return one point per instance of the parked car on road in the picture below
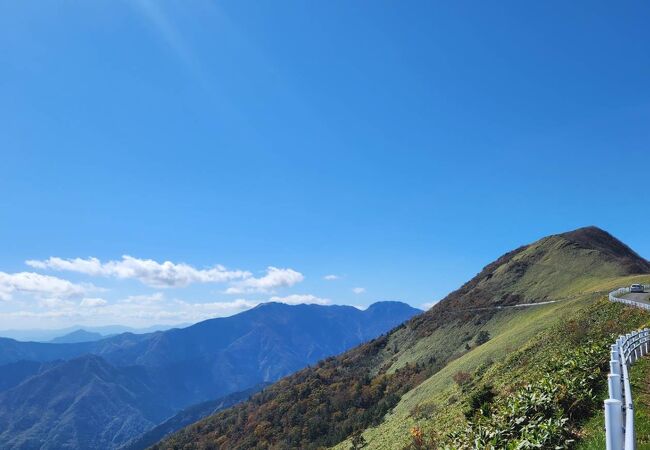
(636, 288)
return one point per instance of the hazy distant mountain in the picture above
(47, 335)
(77, 336)
(135, 381)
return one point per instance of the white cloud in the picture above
(428, 305)
(214, 307)
(331, 277)
(44, 286)
(297, 299)
(98, 311)
(90, 266)
(92, 302)
(176, 311)
(273, 279)
(54, 303)
(148, 271)
(358, 290)
(144, 299)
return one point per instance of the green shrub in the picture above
(482, 337)
(479, 401)
(539, 414)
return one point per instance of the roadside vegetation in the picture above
(593, 434)
(560, 385)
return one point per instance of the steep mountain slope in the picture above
(186, 417)
(123, 386)
(323, 405)
(13, 374)
(61, 407)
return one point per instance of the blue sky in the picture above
(400, 147)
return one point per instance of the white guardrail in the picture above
(619, 409)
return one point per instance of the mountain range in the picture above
(105, 393)
(425, 372)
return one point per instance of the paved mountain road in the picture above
(641, 297)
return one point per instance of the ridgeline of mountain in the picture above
(560, 263)
(102, 394)
(77, 336)
(342, 396)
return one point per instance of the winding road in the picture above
(641, 297)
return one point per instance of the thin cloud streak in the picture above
(154, 13)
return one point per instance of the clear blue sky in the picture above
(398, 145)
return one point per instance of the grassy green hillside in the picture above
(523, 342)
(417, 382)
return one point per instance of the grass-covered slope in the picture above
(405, 379)
(528, 350)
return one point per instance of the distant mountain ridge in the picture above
(47, 335)
(104, 393)
(77, 336)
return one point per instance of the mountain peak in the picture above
(80, 335)
(548, 268)
(595, 238)
(390, 305)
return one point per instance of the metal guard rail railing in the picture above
(619, 408)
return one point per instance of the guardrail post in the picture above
(614, 384)
(621, 353)
(630, 355)
(639, 343)
(647, 341)
(613, 424)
